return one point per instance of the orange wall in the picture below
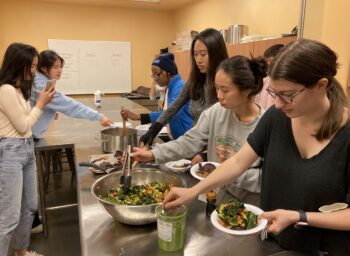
(263, 17)
(327, 21)
(34, 23)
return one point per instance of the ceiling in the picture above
(163, 5)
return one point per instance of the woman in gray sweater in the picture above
(208, 50)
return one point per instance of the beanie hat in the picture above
(168, 54)
(166, 62)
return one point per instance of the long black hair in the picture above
(16, 67)
(306, 62)
(245, 73)
(217, 52)
(47, 59)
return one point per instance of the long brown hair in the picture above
(217, 52)
(306, 62)
(16, 66)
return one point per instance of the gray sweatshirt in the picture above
(223, 133)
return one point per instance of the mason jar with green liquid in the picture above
(171, 225)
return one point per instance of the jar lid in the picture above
(211, 195)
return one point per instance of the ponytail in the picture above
(334, 117)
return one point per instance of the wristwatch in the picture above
(302, 218)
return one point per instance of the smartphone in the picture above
(49, 84)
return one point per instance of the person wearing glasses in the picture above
(208, 50)
(157, 91)
(164, 73)
(305, 142)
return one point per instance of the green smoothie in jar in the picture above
(171, 227)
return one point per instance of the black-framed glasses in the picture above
(156, 75)
(284, 97)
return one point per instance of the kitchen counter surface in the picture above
(102, 235)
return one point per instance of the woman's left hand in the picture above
(280, 219)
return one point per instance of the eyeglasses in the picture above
(156, 75)
(285, 98)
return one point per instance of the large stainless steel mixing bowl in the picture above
(133, 214)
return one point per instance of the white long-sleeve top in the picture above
(16, 115)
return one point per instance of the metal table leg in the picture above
(41, 183)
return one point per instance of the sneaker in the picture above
(32, 253)
(38, 229)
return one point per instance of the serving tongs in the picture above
(99, 167)
(125, 178)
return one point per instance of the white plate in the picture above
(145, 127)
(195, 167)
(172, 165)
(256, 210)
(98, 159)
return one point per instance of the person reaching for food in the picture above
(305, 142)
(50, 67)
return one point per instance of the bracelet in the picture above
(302, 217)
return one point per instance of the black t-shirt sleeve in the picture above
(259, 138)
(347, 198)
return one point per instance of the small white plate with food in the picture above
(105, 161)
(203, 169)
(179, 166)
(239, 221)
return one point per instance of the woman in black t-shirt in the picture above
(305, 142)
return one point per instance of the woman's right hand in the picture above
(45, 97)
(142, 155)
(178, 196)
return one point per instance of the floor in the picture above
(63, 224)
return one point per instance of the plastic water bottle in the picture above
(98, 100)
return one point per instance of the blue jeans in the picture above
(18, 192)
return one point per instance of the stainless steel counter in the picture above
(101, 235)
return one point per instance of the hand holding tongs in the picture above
(126, 180)
(145, 147)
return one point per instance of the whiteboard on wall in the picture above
(93, 65)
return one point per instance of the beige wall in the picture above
(34, 23)
(263, 17)
(328, 21)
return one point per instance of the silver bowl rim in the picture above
(133, 171)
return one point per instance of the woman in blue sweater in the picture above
(164, 73)
(50, 67)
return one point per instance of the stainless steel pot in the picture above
(113, 139)
(235, 33)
